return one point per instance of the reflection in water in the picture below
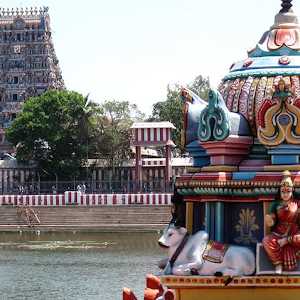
(76, 265)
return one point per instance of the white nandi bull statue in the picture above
(237, 261)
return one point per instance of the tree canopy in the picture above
(172, 108)
(112, 140)
(52, 131)
(61, 130)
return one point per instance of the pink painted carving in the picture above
(260, 95)
(243, 107)
(251, 104)
(235, 104)
(289, 37)
(248, 62)
(295, 82)
(285, 37)
(284, 60)
(231, 94)
(231, 151)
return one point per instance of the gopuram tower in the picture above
(28, 62)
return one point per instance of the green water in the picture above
(76, 265)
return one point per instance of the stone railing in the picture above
(80, 199)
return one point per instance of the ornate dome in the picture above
(276, 58)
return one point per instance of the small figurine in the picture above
(283, 243)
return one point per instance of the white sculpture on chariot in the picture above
(193, 258)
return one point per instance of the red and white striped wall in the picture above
(151, 135)
(154, 162)
(79, 199)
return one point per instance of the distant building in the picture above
(28, 62)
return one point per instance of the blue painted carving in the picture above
(194, 107)
(201, 158)
(217, 122)
(243, 175)
(285, 154)
(214, 124)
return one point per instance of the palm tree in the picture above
(86, 125)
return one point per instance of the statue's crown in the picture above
(287, 180)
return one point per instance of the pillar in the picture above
(189, 217)
(168, 171)
(138, 168)
(219, 222)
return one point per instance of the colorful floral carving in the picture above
(279, 119)
(295, 82)
(243, 107)
(232, 90)
(262, 112)
(235, 104)
(269, 88)
(251, 104)
(260, 94)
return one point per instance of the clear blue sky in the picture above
(131, 49)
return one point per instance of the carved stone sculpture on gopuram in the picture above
(28, 62)
(235, 231)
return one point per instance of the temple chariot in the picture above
(239, 206)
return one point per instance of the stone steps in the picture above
(137, 217)
(86, 228)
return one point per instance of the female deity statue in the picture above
(283, 243)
